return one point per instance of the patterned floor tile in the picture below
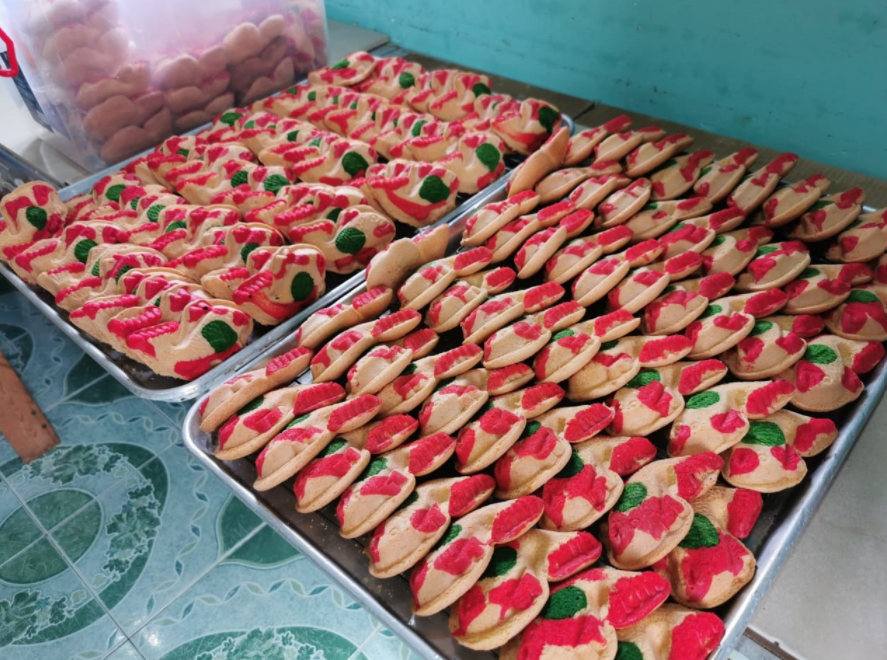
(47, 612)
(146, 540)
(41, 354)
(18, 529)
(385, 645)
(126, 652)
(79, 461)
(257, 603)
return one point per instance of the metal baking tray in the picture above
(783, 519)
(143, 382)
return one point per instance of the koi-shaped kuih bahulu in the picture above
(308, 435)
(582, 615)
(790, 203)
(591, 483)
(716, 419)
(720, 178)
(654, 514)
(388, 481)
(711, 565)
(770, 457)
(411, 532)
(827, 376)
(344, 459)
(514, 588)
(450, 570)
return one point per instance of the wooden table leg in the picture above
(21, 420)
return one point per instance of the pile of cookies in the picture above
(626, 353)
(117, 91)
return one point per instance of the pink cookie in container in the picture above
(115, 78)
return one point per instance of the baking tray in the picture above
(144, 383)
(783, 519)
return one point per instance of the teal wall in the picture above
(808, 76)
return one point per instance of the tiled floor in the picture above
(118, 545)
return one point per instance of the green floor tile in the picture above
(17, 532)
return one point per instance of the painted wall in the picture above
(808, 76)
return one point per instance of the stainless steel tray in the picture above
(784, 517)
(141, 381)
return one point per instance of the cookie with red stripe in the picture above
(583, 613)
(578, 254)
(716, 419)
(791, 202)
(770, 457)
(526, 337)
(770, 348)
(761, 183)
(562, 182)
(465, 552)
(677, 175)
(862, 316)
(827, 376)
(673, 311)
(356, 67)
(526, 127)
(514, 588)
(340, 353)
(419, 379)
(483, 441)
(432, 279)
(618, 145)
(549, 157)
(417, 194)
(619, 361)
(387, 482)
(538, 250)
(591, 483)
(305, 437)
(593, 191)
(653, 514)
(455, 304)
(236, 392)
(512, 236)
(405, 537)
(252, 426)
(822, 287)
(720, 178)
(326, 322)
(829, 216)
(864, 240)
(341, 462)
(673, 632)
(451, 405)
(774, 265)
(624, 204)
(657, 217)
(731, 252)
(652, 155)
(492, 217)
(583, 143)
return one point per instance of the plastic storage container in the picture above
(116, 77)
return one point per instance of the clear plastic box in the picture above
(116, 77)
